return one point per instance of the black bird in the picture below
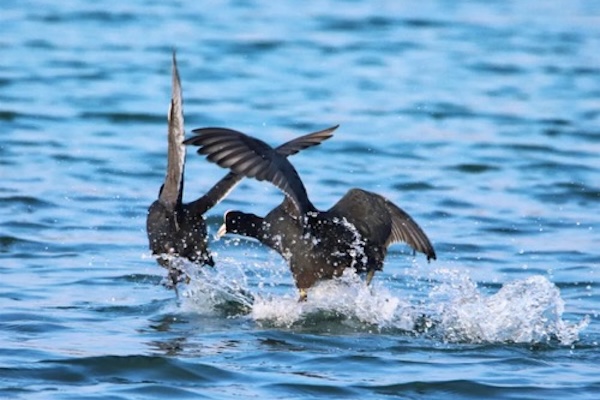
(178, 229)
(354, 233)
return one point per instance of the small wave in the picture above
(29, 203)
(122, 117)
(129, 368)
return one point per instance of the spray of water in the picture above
(214, 291)
(346, 299)
(455, 310)
(524, 311)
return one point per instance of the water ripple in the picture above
(478, 119)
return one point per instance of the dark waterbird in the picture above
(354, 233)
(177, 229)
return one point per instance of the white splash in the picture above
(455, 310)
(211, 290)
(347, 298)
(523, 311)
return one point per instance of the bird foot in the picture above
(303, 296)
(370, 275)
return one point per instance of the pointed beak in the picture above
(221, 232)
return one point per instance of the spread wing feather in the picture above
(405, 229)
(381, 221)
(253, 158)
(172, 189)
(213, 142)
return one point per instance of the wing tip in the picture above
(431, 255)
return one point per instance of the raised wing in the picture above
(172, 189)
(381, 221)
(222, 188)
(405, 229)
(253, 158)
(303, 142)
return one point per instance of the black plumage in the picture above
(354, 233)
(178, 229)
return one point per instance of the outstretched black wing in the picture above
(222, 188)
(303, 142)
(253, 158)
(382, 221)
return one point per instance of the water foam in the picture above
(455, 310)
(347, 299)
(524, 311)
(216, 291)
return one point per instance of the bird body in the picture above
(176, 229)
(354, 233)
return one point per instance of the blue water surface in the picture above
(479, 118)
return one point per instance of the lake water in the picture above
(479, 118)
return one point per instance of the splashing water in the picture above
(523, 311)
(216, 290)
(346, 298)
